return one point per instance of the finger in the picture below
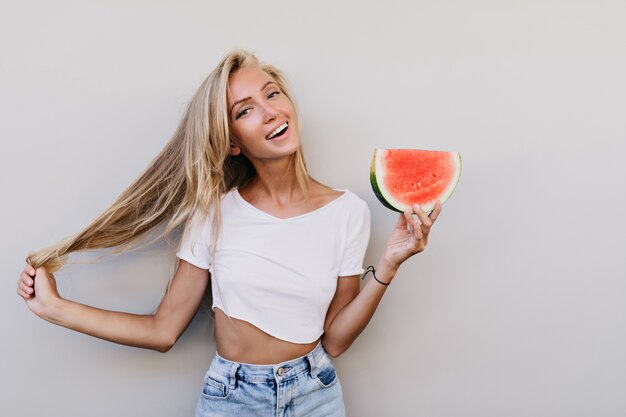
(23, 294)
(435, 213)
(421, 214)
(408, 220)
(401, 223)
(26, 279)
(41, 271)
(28, 269)
(416, 230)
(25, 288)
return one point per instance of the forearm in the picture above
(118, 327)
(354, 317)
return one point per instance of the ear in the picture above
(234, 150)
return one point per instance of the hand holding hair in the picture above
(38, 288)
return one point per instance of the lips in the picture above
(278, 131)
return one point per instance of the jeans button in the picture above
(280, 371)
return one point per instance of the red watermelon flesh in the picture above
(403, 177)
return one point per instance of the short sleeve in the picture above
(358, 236)
(194, 245)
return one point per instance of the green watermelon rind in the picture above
(389, 202)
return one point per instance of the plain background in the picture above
(516, 308)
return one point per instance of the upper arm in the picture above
(347, 289)
(181, 300)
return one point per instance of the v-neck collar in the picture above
(258, 210)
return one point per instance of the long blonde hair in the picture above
(187, 178)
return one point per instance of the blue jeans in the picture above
(306, 386)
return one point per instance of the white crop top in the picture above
(280, 274)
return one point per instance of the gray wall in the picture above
(515, 309)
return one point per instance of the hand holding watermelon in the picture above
(410, 236)
(413, 182)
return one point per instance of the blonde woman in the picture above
(281, 252)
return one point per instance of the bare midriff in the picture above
(241, 341)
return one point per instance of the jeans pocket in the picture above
(326, 376)
(214, 388)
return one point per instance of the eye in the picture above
(273, 94)
(242, 113)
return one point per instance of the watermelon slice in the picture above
(403, 177)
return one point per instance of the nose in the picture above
(270, 113)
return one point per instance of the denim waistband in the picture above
(312, 362)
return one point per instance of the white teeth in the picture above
(278, 130)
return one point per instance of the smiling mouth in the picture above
(280, 130)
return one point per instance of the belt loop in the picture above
(312, 363)
(232, 377)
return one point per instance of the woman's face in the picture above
(263, 120)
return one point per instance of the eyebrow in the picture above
(248, 98)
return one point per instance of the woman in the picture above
(282, 252)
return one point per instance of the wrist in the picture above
(386, 271)
(53, 310)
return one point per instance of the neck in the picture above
(278, 181)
